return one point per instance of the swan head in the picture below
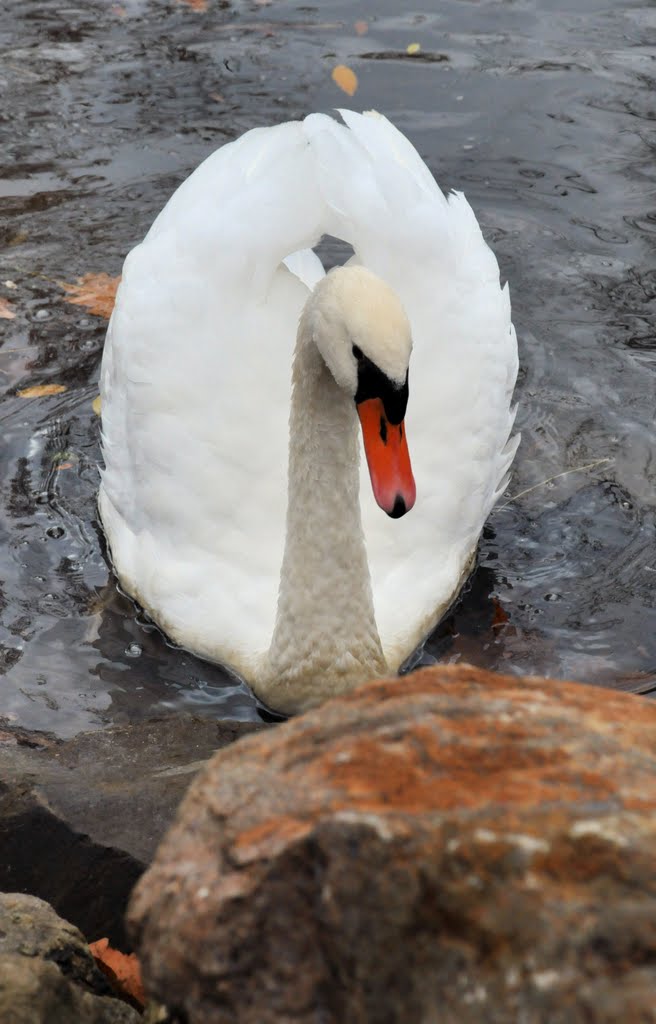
(362, 332)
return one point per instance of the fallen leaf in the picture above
(413, 48)
(96, 292)
(6, 311)
(18, 238)
(64, 465)
(196, 5)
(119, 10)
(361, 28)
(499, 616)
(122, 969)
(95, 405)
(217, 97)
(41, 390)
(345, 78)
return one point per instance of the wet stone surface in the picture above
(541, 112)
(80, 819)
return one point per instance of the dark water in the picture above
(543, 112)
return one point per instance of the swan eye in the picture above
(357, 352)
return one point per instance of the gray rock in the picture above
(47, 974)
(80, 819)
(447, 848)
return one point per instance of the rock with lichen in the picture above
(453, 846)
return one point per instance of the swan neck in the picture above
(325, 631)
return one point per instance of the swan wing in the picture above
(196, 390)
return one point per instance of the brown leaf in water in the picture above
(6, 310)
(500, 616)
(361, 28)
(345, 78)
(41, 390)
(96, 292)
(196, 5)
(18, 238)
(122, 969)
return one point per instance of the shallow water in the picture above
(542, 112)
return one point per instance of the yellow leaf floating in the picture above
(42, 390)
(96, 292)
(361, 28)
(95, 405)
(6, 312)
(413, 48)
(345, 78)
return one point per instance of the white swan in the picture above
(305, 594)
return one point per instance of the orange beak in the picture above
(388, 459)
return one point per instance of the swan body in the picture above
(235, 506)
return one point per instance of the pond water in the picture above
(541, 111)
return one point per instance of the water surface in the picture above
(542, 112)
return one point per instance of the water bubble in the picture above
(553, 596)
(55, 532)
(133, 650)
(42, 314)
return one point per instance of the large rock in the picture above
(47, 974)
(453, 846)
(81, 818)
